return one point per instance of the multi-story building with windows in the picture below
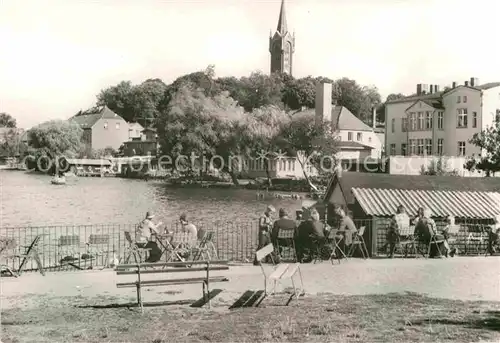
(434, 122)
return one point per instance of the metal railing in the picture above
(92, 246)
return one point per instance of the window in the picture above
(428, 146)
(474, 119)
(440, 120)
(428, 120)
(289, 164)
(404, 124)
(440, 146)
(349, 136)
(403, 149)
(393, 125)
(369, 139)
(117, 126)
(464, 99)
(413, 147)
(105, 125)
(420, 120)
(462, 117)
(359, 136)
(420, 146)
(458, 99)
(413, 121)
(461, 148)
(393, 149)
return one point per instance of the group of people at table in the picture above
(148, 235)
(309, 231)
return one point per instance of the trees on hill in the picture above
(6, 120)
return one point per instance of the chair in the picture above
(358, 241)
(280, 272)
(133, 249)
(408, 241)
(205, 247)
(68, 251)
(98, 246)
(434, 240)
(475, 238)
(286, 239)
(8, 247)
(334, 240)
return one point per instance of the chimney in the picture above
(474, 81)
(436, 88)
(419, 89)
(454, 84)
(374, 117)
(431, 89)
(323, 102)
(466, 83)
(425, 88)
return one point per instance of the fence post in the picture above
(374, 236)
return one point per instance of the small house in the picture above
(373, 199)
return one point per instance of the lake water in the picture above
(29, 199)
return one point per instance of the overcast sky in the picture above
(56, 56)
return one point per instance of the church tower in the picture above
(282, 46)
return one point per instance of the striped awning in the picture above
(383, 202)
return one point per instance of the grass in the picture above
(322, 318)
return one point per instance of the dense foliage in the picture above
(489, 142)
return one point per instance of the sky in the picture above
(56, 56)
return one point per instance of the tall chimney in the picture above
(466, 83)
(431, 89)
(323, 102)
(436, 88)
(454, 84)
(419, 89)
(474, 81)
(425, 88)
(374, 117)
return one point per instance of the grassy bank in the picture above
(322, 318)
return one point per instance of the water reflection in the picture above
(29, 199)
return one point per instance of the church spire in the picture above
(282, 27)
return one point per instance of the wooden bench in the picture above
(282, 271)
(197, 266)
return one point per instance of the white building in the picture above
(434, 122)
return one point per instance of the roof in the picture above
(353, 145)
(88, 162)
(350, 180)
(415, 97)
(282, 26)
(384, 202)
(88, 118)
(151, 129)
(342, 119)
(489, 85)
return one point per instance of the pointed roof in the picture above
(88, 118)
(282, 26)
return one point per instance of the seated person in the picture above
(283, 223)
(494, 237)
(310, 233)
(144, 237)
(399, 222)
(450, 221)
(346, 225)
(425, 229)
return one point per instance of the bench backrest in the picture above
(264, 252)
(69, 240)
(154, 268)
(99, 239)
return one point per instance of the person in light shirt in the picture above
(399, 222)
(145, 235)
(187, 226)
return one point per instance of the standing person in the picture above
(145, 233)
(494, 236)
(450, 221)
(283, 224)
(398, 222)
(265, 226)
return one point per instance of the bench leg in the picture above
(206, 293)
(139, 297)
